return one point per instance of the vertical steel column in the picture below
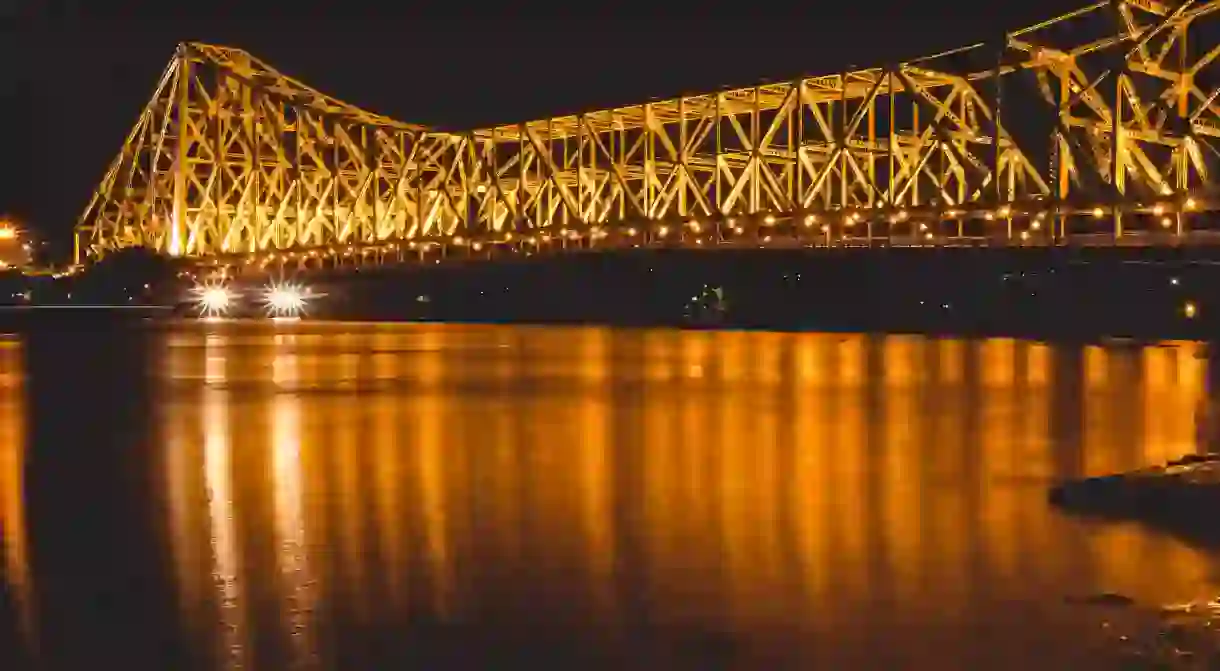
(798, 167)
(890, 158)
(719, 159)
(180, 160)
(998, 115)
(1117, 165)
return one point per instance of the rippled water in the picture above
(387, 496)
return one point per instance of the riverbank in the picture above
(1035, 294)
(1060, 295)
(1181, 497)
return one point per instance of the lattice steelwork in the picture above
(1097, 127)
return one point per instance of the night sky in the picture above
(74, 75)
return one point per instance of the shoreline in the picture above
(1181, 497)
(42, 316)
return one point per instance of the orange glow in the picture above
(7, 233)
(757, 480)
(15, 562)
(288, 493)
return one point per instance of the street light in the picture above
(213, 300)
(286, 300)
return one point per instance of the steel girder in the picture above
(1101, 121)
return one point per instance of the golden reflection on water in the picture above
(757, 483)
(286, 478)
(14, 534)
(428, 413)
(389, 473)
(222, 516)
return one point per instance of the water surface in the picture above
(319, 496)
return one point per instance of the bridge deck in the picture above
(524, 248)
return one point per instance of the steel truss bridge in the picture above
(1098, 127)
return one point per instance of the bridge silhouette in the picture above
(1094, 128)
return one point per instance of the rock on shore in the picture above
(1182, 496)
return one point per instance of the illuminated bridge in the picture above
(1098, 127)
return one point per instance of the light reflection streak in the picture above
(767, 358)
(894, 463)
(1159, 372)
(809, 489)
(502, 502)
(1095, 368)
(1031, 464)
(218, 479)
(288, 499)
(950, 361)
(343, 453)
(698, 354)
(764, 507)
(593, 446)
(1037, 370)
(847, 467)
(732, 358)
(428, 416)
(14, 538)
(899, 369)
(698, 478)
(1005, 408)
(388, 472)
(660, 418)
(183, 478)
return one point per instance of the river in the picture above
(358, 496)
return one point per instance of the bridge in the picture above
(1097, 127)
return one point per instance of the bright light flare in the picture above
(213, 300)
(286, 300)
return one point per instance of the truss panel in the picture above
(1103, 121)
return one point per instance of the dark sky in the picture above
(74, 75)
